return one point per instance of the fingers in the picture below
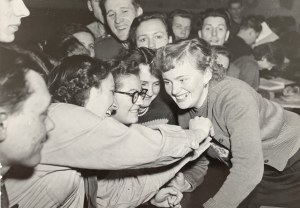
(174, 201)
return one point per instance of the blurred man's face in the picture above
(27, 128)
(119, 15)
(152, 34)
(11, 13)
(235, 10)
(94, 6)
(214, 30)
(181, 27)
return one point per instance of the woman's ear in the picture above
(3, 124)
(207, 75)
(139, 11)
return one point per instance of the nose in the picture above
(150, 91)
(20, 9)
(49, 124)
(175, 89)
(214, 32)
(139, 101)
(118, 18)
(152, 44)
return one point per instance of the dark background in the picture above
(47, 16)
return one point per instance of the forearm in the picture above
(110, 145)
(134, 187)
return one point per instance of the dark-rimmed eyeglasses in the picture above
(135, 95)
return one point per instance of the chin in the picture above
(33, 161)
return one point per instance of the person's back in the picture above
(240, 45)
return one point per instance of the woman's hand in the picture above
(167, 197)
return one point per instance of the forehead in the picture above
(235, 5)
(115, 4)
(39, 98)
(83, 35)
(145, 73)
(129, 82)
(185, 68)
(152, 25)
(214, 21)
(182, 20)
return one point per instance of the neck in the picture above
(202, 98)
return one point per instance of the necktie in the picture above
(4, 196)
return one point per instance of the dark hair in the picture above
(180, 13)
(72, 28)
(217, 49)
(135, 3)
(215, 13)
(271, 52)
(123, 69)
(195, 49)
(145, 17)
(234, 2)
(141, 55)
(253, 22)
(14, 64)
(61, 46)
(71, 81)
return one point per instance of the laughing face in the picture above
(186, 84)
(149, 82)
(119, 15)
(127, 113)
(11, 13)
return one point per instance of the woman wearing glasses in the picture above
(153, 110)
(128, 188)
(85, 138)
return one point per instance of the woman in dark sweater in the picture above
(257, 138)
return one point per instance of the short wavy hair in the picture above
(14, 65)
(71, 81)
(196, 49)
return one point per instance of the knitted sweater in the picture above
(158, 113)
(257, 132)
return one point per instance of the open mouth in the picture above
(181, 97)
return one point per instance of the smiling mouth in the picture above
(14, 27)
(181, 97)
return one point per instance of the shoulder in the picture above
(232, 88)
(107, 47)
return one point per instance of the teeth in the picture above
(180, 97)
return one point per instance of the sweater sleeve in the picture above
(87, 142)
(238, 112)
(195, 171)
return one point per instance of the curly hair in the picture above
(197, 50)
(14, 65)
(71, 81)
